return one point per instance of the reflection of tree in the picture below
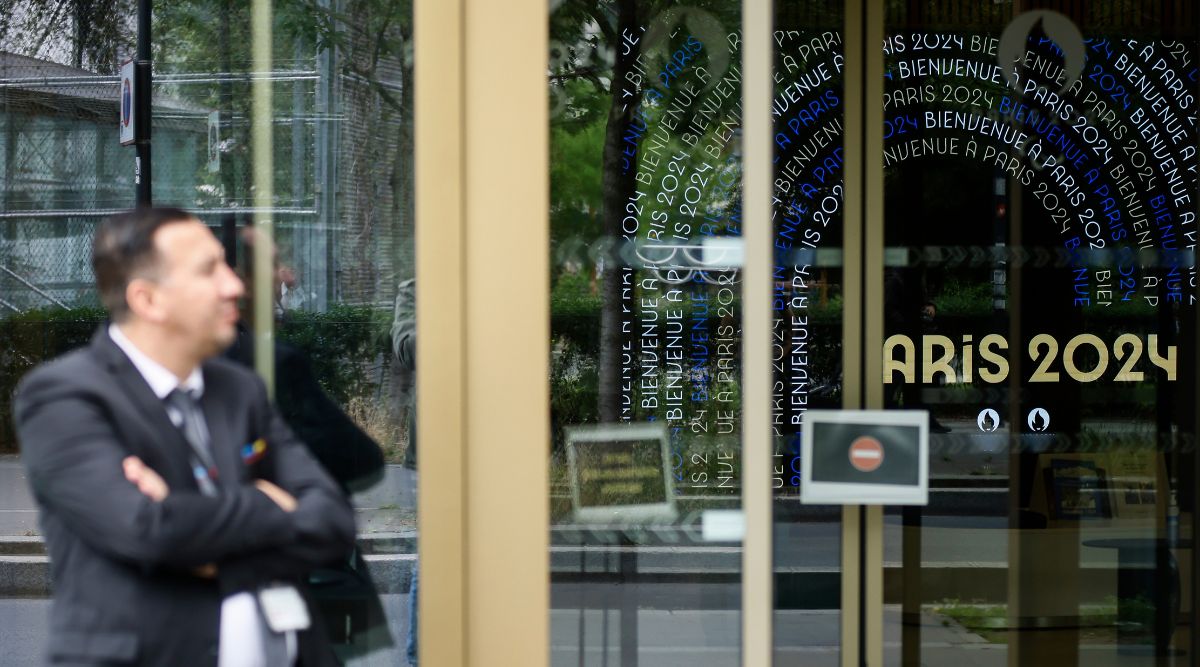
(613, 36)
(97, 31)
(363, 50)
(570, 26)
(378, 153)
(191, 36)
(618, 184)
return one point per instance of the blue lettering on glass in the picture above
(679, 61)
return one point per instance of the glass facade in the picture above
(645, 208)
(808, 115)
(646, 329)
(1015, 209)
(1039, 303)
(1037, 220)
(338, 231)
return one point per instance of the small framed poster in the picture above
(621, 473)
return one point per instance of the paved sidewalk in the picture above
(388, 506)
(24, 624)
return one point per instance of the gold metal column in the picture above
(873, 254)
(263, 152)
(862, 340)
(852, 313)
(441, 403)
(757, 443)
(482, 327)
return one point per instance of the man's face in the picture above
(197, 292)
(282, 275)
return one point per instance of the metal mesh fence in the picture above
(338, 207)
(342, 147)
(203, 160)
(60, 173)
(62, 169)
(202, 136)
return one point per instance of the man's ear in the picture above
(142, 297)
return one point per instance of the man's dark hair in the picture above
(123, 249)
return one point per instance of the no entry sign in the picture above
(865, 457)
(866, 453)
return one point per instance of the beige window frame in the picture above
(482, 294)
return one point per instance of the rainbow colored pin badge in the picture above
(253, 451)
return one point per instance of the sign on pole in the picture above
(128, 104)
(865, 457)
(214, 141)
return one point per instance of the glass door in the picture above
(646, 333)
(1038, 301)
(650, 338)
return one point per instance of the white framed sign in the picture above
(621, 473)
(865, 457)
(128, 104)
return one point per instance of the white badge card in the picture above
(284, 609)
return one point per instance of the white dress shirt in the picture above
(240, 643)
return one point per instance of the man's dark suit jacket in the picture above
(124, 591)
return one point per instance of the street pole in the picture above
(141, 169)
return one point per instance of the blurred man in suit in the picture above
(345, 592)
(180, 513)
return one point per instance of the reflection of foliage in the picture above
(990, 621)
(961, 298)
(592, 98)
(575, 181)
(339, 344)
(827, 312)
(574, 309)
(350, 128)
(30, 338)
(97, 31)
(374, 418)
(575, 150)
(1139, 613)
(973, 616)
(573, 386)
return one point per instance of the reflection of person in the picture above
(346, 594)
(929, 316)
(907, 312)
(179, 512)
(404, 346)
(348, 454)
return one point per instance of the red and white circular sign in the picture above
(866, 453)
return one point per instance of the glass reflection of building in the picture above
(1033, 293)
(342, 140)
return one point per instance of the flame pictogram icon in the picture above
(988, 420)
(1039, 420)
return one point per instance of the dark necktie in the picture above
(195, 431)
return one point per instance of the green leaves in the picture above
(87, 34)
